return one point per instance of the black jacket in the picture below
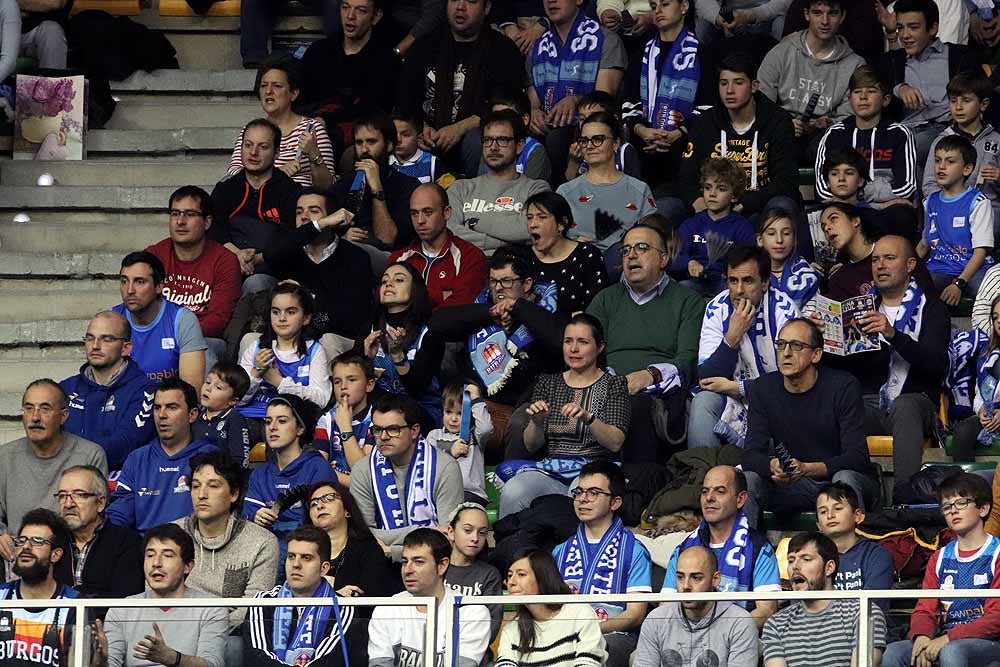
(397, 187)
(113, 568)
(777, 170)
(343, 284)
(250, 218)
(359, 87)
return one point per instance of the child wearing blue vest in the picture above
(407, 156)
(343, 432)
(959, 631)
(958, 229)
(283, 360)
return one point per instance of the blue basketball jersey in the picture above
(421, 166)
(948, 231)
(297, 370)
(155, 347)
(974, 571)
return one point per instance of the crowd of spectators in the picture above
(556, 243)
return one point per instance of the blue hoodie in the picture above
(267, 483)
(116, 416)
(694, 239)
(153, 488)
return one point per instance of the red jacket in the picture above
(455, 277)
(208, 286)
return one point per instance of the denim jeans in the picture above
(527, 485)
(800, 496)
(257, 282)
(956, 653)
(706, 411)
(942, 280)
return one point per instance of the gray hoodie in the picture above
(487, 211)
(987, 144)
(790, 75)
(726, 637)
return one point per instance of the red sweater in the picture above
(454, 277)
(927, 614)
(208, 286)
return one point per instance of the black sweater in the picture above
(825, 424)
(343, 283)
(777, 173)
(113, 568)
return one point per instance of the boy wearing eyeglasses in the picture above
(604, 557)
(486, 210)
(961, 631)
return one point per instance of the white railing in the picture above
(450, 614)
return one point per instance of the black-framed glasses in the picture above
(502, 142)
(77, 496)
(325, 499)
(595, 141)
(640, 249)
(959, 505)
(506, 283)
(593, 493)
(186, 214)
(391, 431)
(796, 345)
(103, 340)
(21, 540)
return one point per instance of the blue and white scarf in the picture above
(420, 479)
(988, 383)
(668, 95)
(607, 572)
(909, 324)
(736, 563)
(965, 350)
(798, 280)
(494, 353)
(565, 469)
(361, 429)
(309, 631)
(559, 70)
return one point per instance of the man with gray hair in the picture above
(111, 398)
(30, 467)
(107, 559)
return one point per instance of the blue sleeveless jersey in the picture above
(297, 370)
(155, 347)
(948, 231)
(421, 169)
(975, 571)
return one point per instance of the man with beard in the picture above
(30, 466)
(255, 205)
(817, 632)
(111, 398)
(487, 208)
(338, 273)
(376, 194)
(40, 636)
(172, 636)
(106, 559)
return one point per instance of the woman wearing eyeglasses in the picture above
(358, 565)
(578, 415)
(577, 269)
(605, 201)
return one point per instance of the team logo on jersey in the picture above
(585, 199)
(602, 614)
(632, 207)
(168, 343)
(109, 405)
(182, 485)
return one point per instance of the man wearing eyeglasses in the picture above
(604, 557)
(41, 636)
(487, 208)
(111, 398)
(30, 466)
(814, 416)
(202, 275)
(405, 483)
(106, 560)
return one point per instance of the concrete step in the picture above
(69, 197)
(186, 82)
(54, 237)
(43, 332)
(217, 140)
(162, 113)
(26, 285)
(16, 377)
(117, 172)
(116, 217)
(57, 265)
(11, 430)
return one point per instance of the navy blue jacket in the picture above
(118, 417)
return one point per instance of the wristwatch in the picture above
(655, 372)
(346, 435)
(960, 283)
(379, 195)
(176, 662)
(317, 160)
(590, 421)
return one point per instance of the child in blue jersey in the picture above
(407, 156)
(789, 271)
(284, 360)
(863, 564)
(218, 420)
(274, 494)
(963, 631)
(342, 434)
(958, 227)
(710, 234)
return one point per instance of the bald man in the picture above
(111, 398)
(902, 381)
(698, 633)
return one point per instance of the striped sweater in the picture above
(288, 151)
(571, 638)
